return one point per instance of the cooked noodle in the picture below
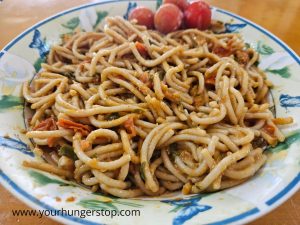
(133, 112)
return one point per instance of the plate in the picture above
(274, 183)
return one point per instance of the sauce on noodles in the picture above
(130, 112)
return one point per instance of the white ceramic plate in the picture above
(276, 182)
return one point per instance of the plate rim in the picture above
(291, 188)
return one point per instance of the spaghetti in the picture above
(132, 112)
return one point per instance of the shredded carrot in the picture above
(77, 127)
(269, 129)
(144, 77)
(51, 141)
(141, 48)
(242, 57)
(210, 80)
(101, 140)
(84, 145)
(282, 121)
(129, 126)
(120, 77)
(171, 96)
(47, 124)
(220, 51)
(198, 100)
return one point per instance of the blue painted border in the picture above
(264, 31)
(7, 47)
(39, 203)
(284, 191)
(11, 143)
(236, 218)
(288, 188)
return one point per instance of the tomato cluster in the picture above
(173, 15)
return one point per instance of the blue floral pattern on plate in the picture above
(289, 101)
(130, 6)
(230, 28)
(186, 209)
(39, 44)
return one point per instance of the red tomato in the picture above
(182, 4)
(168, 18)
(198, 15)
(143, 15)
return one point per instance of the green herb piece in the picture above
(247, 45)
(138, 111)
(173, 149)
(256, 63)
(68, 151)
(142, 171)
(161, 75)
(112, 116)
(69, 74)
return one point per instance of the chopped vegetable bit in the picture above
(112, 116)
(47, 124)
(129, 126)
(259, 142)
(142, 171)
(70, 199)
(141, 48)
(51, 141)
(198, 100)
(77, 127)
(283, 121)
(222, 52)
(68, 151)
(138, 111)
(211, 79)
(269, 129)
(144, 77)
(84, 145)
(69, 74)
(242, 57)
(173, 150)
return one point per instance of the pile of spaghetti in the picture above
(132, 112)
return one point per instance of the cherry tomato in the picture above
(182, 4)
(168, 18)
(143, 15)
(198, 15)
